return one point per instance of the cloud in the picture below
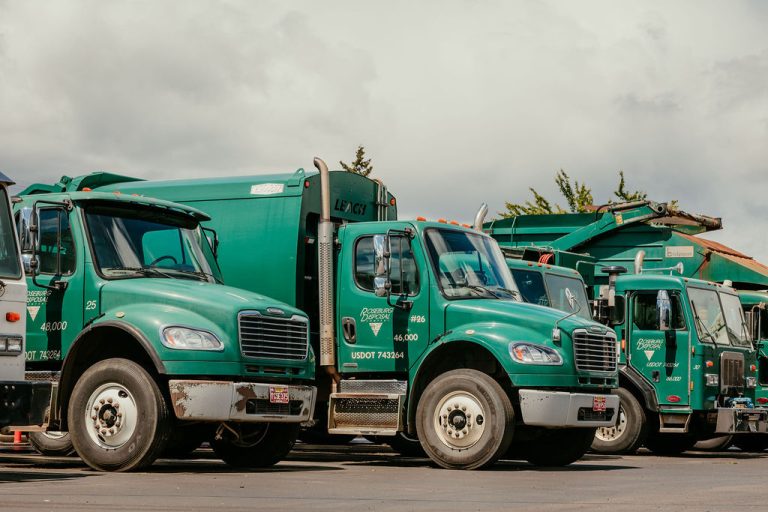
(456, 102)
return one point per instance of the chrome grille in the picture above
(594, 352)
(268, 337)
(731, 371)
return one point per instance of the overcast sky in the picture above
(457, 102)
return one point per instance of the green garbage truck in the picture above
(687, 364)
(419, 325)
(22, 403)
(147, 351)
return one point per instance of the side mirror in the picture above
(381, 282)
(664, 310)
(617, 311)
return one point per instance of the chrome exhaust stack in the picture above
(325, 272)
(480, 217)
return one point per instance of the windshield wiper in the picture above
(147, 271)
(477, 288)
(701, 323)
(199, 273)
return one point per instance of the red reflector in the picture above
(87, 189)
(306, 183)
(673, 398)
(753, 368)
(709, 364)
(762, 401)
(12, 316)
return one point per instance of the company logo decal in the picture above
(649, 354)
(33, 311)
(368, 315)
(375, 327)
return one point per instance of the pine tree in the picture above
(360, 166)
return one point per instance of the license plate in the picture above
(598, 404)
(278, 395)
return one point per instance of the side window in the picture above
(531, 286)
(645, 315)
(57, 248)
(403, 272)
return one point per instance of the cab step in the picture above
(674, 423)
(367, 408)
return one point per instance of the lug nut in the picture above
(116, 405)
(109, 399)
(119, 415)
(102, 401)
(464, 408)
(94, 417)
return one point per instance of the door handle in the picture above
(349, 328)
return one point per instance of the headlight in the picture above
(529, 353)
(712, 379)
(184, 338)
(10, 345)
(751, 382)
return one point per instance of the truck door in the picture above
(55, 296)
(661, 356)
(374, 335)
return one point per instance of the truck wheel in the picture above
(630, 430)
(669, 444)
(559, 447)
(751, 442)
(405, 444)
(51, 444)
(258, 446)
(118, 419)
(716, 444)
(464, 420)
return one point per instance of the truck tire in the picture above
(559, 447)
(51, 444)
(630, 430)
(755, 443)
(716, 444)
(260, 445)
(464, 420)
(120, 398)
(669, 444)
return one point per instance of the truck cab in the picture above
(146, 348)
(687, 365)
(22, 403)
(419, 325)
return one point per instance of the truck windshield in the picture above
(469, 265)
(144, 242)
(550, 290)
(10, 267)
(715, 322)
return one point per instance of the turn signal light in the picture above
(673, 399)
(12, 316)
(709, 364)
(753, 368)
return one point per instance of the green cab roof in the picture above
(750, 297)
(125, 199)
(514, 264)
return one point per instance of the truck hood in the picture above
(520, 314)
(207, 299)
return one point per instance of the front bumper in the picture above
(248, 402)
(563, 409)
(24, 404)
(738, 420)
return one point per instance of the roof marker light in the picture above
(87, 189)
(421, 219)
(453, 223)
(442, 221)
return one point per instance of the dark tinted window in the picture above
(56, 244)
(403, 273)
(9, 257)
(531, 286)
(645, 314)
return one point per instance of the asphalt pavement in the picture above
(368, 477)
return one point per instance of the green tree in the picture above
(360, 165)
(577, 196)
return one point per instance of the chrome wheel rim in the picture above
(111, 414)
(612, 434)
(459, 420)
